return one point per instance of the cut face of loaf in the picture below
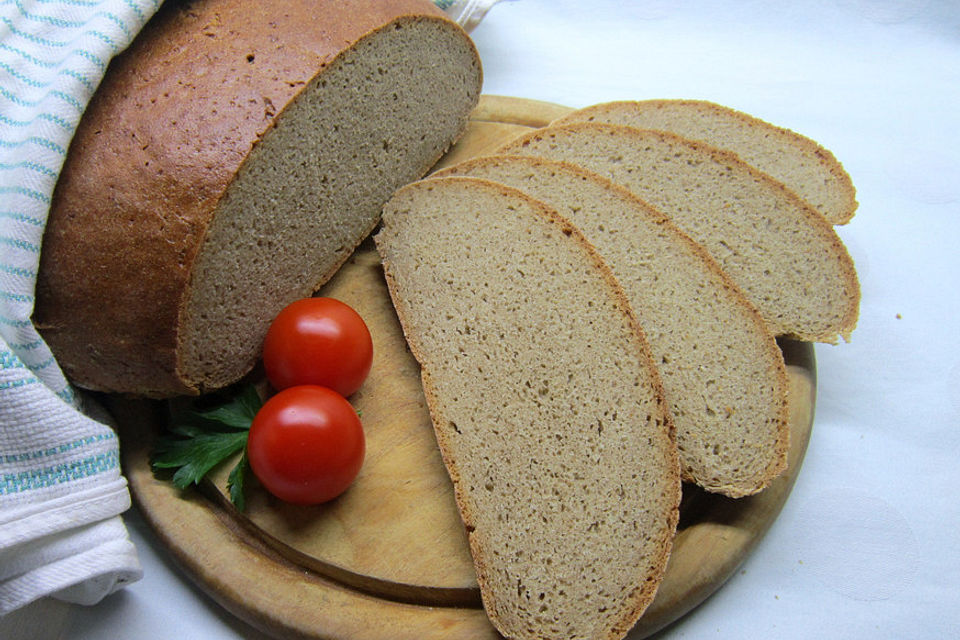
(804, 166)
(233, 158)
(722, 372)
(546, 406)
(781, 253)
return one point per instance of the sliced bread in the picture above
(548, 411)
(233, 157)
(782, 254)
(800, 163)
(722, 372)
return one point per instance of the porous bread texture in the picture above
(722, 372)
(250, 253)
(803, 165)
(231, 160)
(547, 409)
(782, 254)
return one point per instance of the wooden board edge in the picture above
(251, 577)
(518, 111)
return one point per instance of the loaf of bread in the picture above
(800, 163)
(782, 254)
(233, 158)
(722, 372)
(546, 405)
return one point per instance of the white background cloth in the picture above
(866, 546)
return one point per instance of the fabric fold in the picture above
(81, 565)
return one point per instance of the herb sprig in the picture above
(199, 439)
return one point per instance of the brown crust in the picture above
(831, 242)
(825, 158)
(778, 461)
(155, 151)
(647, 588)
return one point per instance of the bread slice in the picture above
(546, 405)
(722, 372)
(233, 157)
(781, 253)
(800, 163)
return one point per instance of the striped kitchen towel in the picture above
(61, 490)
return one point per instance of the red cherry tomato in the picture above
(306, 444)
(318, 341)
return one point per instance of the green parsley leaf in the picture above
(235, 482)
(195, 457)
(198, 439)
(238, 413)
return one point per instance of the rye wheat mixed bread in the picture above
(232, 159)
(782, 254)
(545, 402)
(722, 372)
(800, 163)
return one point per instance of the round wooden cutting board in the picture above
(389, 558)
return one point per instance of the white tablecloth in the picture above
(866, 546)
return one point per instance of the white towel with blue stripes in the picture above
(61, 490)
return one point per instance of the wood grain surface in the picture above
(389, 558)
